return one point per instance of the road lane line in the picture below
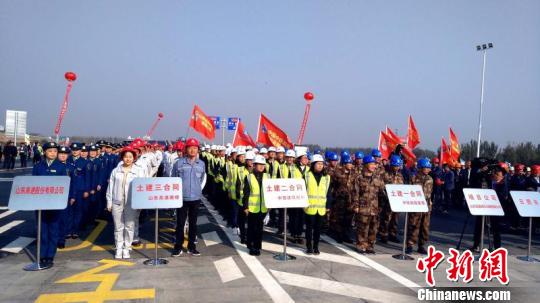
(7, 213)
(211, 238)
(16, 246)
(10, 225)
(228, 270)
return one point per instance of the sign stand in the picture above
(476, 258)
(284, 256)
(403, 255)
(528, 257)
(156, 261)
(37, 265)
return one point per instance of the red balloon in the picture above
(308, 96)
(160, 115)
(70, 76)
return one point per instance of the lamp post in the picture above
(483, 48)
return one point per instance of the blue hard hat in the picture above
(376, 153)
(317, 151)
(424, 163)
(327, 154)
(368, 159)
(358, 155)
(332, 156)
(346, 159)
(345, 153)
(309, 155)
(396, 160)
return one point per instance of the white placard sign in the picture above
(39, 192)
(483, 202)
(285, 193)
(527, 203)
(406, 198)
(152, 193)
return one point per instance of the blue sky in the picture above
(369, 64)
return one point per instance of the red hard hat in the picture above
(519, 166)
(179, 145)
(504, 166)
(192, 142)
(435, 160)
(536, 169)
(128, 149)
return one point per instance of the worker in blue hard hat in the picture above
(388, 227)
(340, 226)
(358, 156)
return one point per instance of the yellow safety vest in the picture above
(228, 177)
(316, 194)
(240, 172)
(211, 163)
(256, 200)
(297, 173)
(283, 170)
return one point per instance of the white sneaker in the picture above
(118, 254)
(237, 230)
(125, 254)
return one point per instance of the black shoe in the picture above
(61, 245)
(422, 250)
(252, 252)
(394, 239)
(74, 236)
(316, 251)
(68, 236)
(408, 250)
(361, 250)
(194, 252)
(383, 240)
(370, 251)
(136, 243)
(309, 251)
(257, 252)
(177, 252)
(347, 240)
(299, 241)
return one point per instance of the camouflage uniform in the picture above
(389, 219)
(367, 191)
(340, 216)
(418, 223)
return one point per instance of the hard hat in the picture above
(259, 160)
(228, 151)
(271, 149)
(376, 153)
(255, 150)
(536, 169)
(327, 154)
(263, 151)
(423, 163)
(519, 166)
(344, 153)
(250, 155)
(300, 153)
(435, 160)
(280, 149)
(358, 155)
(290, 153)
(528, 169)
(179, 145)
(317, 158)
(192, 142)
(368, 159)
(241, 152)
(234, 150)
(249, 147)
(345, 160)
(207, 146)
(213, 147)
(317, 151)
(229, 145)
(396, 160)
(332, 157)
(503, 165)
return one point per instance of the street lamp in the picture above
(483, 48)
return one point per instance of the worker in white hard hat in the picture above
(296, 215)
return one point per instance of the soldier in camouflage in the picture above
(340, 216)
(388, 228)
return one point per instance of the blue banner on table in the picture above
(231, 123)
(39, 192)
(217, 121)
(152, 193)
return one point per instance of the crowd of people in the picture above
(25, 152)
(346, 192)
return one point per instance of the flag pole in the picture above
(235, 131)
(258, 128)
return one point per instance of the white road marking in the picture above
(7, 213)
(228, 270)
(3, 207)
(6, 179)
(339, 288)
(10, 225)
(270, 285)
(211, 238)
(323, 256)
(16, 246)
(378, 267)
(202, 220)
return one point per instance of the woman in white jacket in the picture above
(119, 201)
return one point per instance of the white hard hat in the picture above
(234, 150)
(263, 151)
(207, 146)
(214, 147)
(221, 147)
(241, 152)
(317, 158)
(255, 150)
(203, 148)
(250, 155)
(271, 149)
(290, 153)
(259, 160)
(280, 149)
(300, 153)
(249, 147)
(229, 144)
(228, 151)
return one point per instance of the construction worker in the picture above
(238, 177)
(296, 216)
(254, 205)
(358, 156)
(340, 217)
(280, 169)
(332, 163)
(319, 198)
(418, 225)
(377, 155)
(388, 227)
(367, 191)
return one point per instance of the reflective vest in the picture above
(240, 172)
(211, 164)
(316, 194)
(297, 173)
(229, 166)
(283, 170)
(256, 200)
(219, 163)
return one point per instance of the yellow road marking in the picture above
(90, 239)
(104, 290)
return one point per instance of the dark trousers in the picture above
(296, 221)
(23, 160)
(495, 226)
(234, 213)
(50, 232)
(9, 162)
(242, 223)
(189, 212)
(447, 198)
(71, 216)
(255, 230)
(279, 219)
(313, 230)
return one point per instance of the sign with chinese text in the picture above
(527, 203)
(217, 121)
(231, 123)
(39, 192)
(483, 202)
(152, 193)
(285, 193)
(406, 198)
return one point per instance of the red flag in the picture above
(387, 144)
(241, 136)
(392, 135)
(410, 157)
(455, 150)
(413, 138)
(271, 135)
(202, 123)
(445, 153)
